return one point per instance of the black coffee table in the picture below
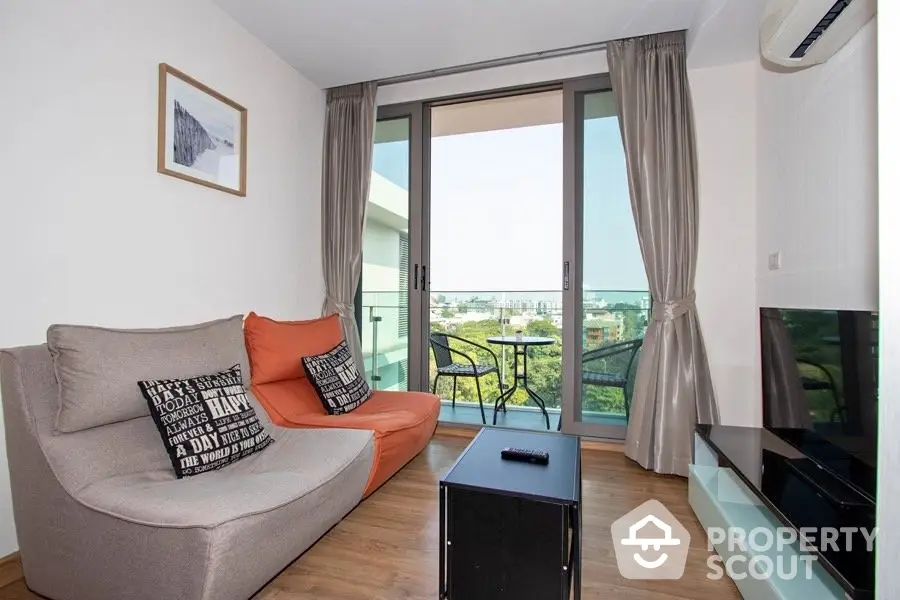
(511, 530)
(520, 349)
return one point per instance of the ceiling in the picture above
(334, 42)
(724, 32)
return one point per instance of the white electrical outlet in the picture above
(774, 261)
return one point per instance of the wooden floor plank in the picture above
(10, 569)
(386, 549)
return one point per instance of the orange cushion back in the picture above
(275, 347)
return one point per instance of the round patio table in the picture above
(520, 349)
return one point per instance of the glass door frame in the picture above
(573, 258)
(425, 107)
(417, 358)
(419, 115)
(419, 167)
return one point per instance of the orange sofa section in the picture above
(275, 347)
(403, 422)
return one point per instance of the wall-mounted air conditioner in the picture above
(799, 33)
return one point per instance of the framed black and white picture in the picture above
(202, 134)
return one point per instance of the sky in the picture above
(497, 209)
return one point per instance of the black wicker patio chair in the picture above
(468, 367)
(612, 366)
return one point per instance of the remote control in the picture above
(537, 457)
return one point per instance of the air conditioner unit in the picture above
(800, 33)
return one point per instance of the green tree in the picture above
(634, 319)
(544, 363)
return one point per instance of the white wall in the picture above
(381, 259)
(725, 117)
(725, 111)
(89, 232)
(888, 576)
(818, 181)
(380, 298)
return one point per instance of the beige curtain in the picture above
(346, 172)
(672, 390)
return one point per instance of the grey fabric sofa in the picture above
(100, 515)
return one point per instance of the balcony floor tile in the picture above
(518, 419)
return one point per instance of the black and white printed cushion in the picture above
(205, 422)
(338, 383)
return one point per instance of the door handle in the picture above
(416, 277)
(566, 275)
(424, 278)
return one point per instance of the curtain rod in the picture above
(497, 62)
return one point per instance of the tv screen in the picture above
(819, 370)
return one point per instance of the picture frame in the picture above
(202, 134)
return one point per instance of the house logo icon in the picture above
(650, 543)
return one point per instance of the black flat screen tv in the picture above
(820, 387)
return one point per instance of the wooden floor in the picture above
(386, 549)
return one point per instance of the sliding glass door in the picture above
(606, 304)
(387, 307)
(499, 231)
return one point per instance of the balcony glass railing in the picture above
(608, 317)
(384, 333)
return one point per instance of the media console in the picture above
(751, 478)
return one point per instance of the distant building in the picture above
(479, 305)
(605, 329)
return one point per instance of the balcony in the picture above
(609, 317)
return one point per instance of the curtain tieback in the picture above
(347, 311)
(669, 311)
